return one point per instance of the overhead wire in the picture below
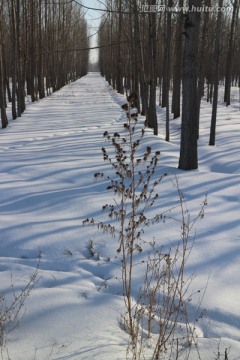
(106, 12)
(82, 49)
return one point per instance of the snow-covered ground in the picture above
(47, 188)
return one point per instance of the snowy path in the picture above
(48, 158)
(45, 160)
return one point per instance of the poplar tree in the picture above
(189, 130)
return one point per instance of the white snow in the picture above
(47, 188)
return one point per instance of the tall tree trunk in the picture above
(32, 52)
(202, 57)
(165, 64)
(41, 90)
(216, 76)
(177, 71)
(19, 73)
(14, 64)
(6, 77)
(119, 80)
(152, 115)
(139, 60)
(2, 97)
(133, 64)
(189, 131)
(168, 44)
(229, 64)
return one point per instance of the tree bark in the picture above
(189, 131)
(177, 71)
(216, 77)
(229, 64)
(139, 60)
(40, 59)
(2, 98)
(202, 57)
(14, 62)
(152, 115)
(119, 76)
(168, 47)
(32, 52)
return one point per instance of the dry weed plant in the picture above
(221, 356)
(161, 303)
(11, 304)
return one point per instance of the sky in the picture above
(93, 17)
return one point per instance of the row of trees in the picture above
(185, 52)
(39, 42)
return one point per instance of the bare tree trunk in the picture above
(189, 132)
(202, 57)
(139, 60)
(168, 44)
(229, 64)
(165, 64)
(40, 62)
(2, 97)
(6, 77)
(119, 77)
(152, 115)
(216, 76)
(32, 52)
(19, 73)
(177, 71)
(14, 55)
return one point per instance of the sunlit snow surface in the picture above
(47, 188)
